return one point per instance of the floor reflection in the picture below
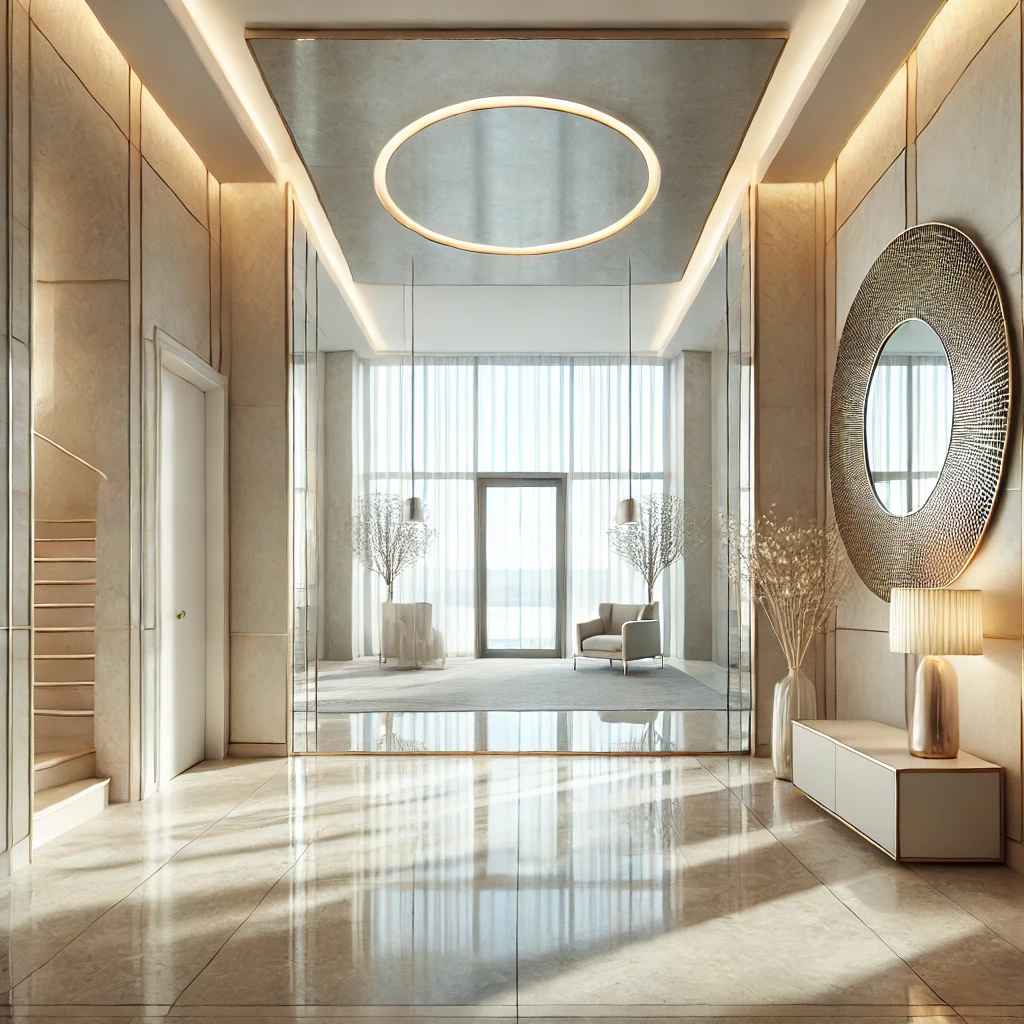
(497, 732)
(496, 886)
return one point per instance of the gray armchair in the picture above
(623, 632)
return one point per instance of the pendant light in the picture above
(414, 505)
(627, 513)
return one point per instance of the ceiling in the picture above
(837, 57)
(524, 176)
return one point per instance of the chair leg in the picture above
(625, 667)
(574, 663)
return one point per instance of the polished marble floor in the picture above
(498, 887)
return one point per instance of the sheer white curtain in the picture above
(909, 411)
(499, 415)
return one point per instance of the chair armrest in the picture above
(587, 629)
(641, 638)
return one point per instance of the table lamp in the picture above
(933, 623)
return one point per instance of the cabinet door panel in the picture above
(814, 766)
(866, 797)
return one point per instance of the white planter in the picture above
(795, 699)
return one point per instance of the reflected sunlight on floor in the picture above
(537, 887)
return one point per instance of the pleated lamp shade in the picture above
(935, 621)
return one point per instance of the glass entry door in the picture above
(521, 566)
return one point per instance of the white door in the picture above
(182, 574)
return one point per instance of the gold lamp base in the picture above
(935, 721)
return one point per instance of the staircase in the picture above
(66, 787)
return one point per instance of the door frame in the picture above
(167, 353)
(558, 481)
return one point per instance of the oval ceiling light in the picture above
(380, 172)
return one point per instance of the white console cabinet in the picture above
(913, 808)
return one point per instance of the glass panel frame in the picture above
(505, 480)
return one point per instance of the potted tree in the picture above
(386, 544)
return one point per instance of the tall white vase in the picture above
(795, 698)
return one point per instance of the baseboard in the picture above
(763, 750)
(257, 750)
(1015, 855)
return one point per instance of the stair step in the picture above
(64, 713)
(73, 592)
(51, 700)
(59, 765)
(65, 668)
(65, 547)
(65, 569)
(65, 682)
(61, 529)
(64, 558)
(63, 807)
(65, 604)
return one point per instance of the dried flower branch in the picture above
(798, 570)
(667, 528)
(382, 540)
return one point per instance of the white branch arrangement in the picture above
(798, 570)
(382, 540)
(667, 528)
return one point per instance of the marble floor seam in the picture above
(142, 881)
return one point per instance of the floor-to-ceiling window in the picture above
(508, 415)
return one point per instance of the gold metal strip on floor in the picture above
(507, 1011)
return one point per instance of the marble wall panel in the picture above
(952, 41)
(870, 679)
(21, 486)
(788, 356)
(74, 32)
(79, 178)
(876, 222)
(167, 152)
(874, 145)
(213, 190)
(253, 247)
(21, 734)
(990, 692)
(175, 268)
(111, 720)
(19, 113)
(980, 190)
(258, 697)
(259, 520)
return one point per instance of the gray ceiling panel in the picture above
(517, 177)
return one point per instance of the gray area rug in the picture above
(511, 684)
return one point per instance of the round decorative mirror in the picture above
(920, 411)
(909, 417)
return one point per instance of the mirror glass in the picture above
(909, 417)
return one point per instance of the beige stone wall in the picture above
(789, 470)
(255, 263)
(125, 240)
(943, 143)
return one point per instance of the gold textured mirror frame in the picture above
(934, 273)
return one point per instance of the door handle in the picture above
(181, 614)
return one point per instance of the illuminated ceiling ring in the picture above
(380, 172)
